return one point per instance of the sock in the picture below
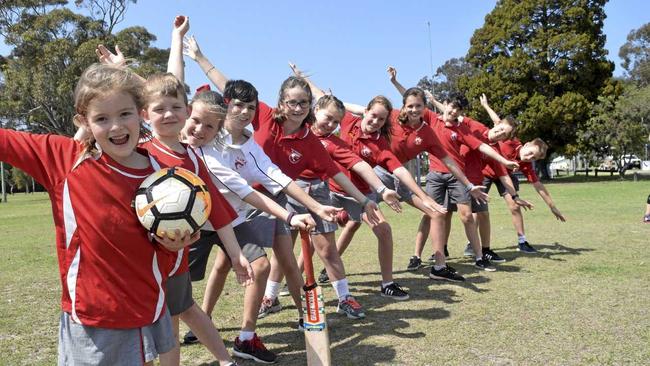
(341, 288)
(478, 258)
(521, 238)
(245, 335)
(437, 267)
(386, 284)
(272, 289)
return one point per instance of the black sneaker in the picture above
(526, 248)
(190, 338)
(254, 350)
(490, 255)
(414, 263)
(394, 291)
(446, 252)
(445, 274)
(323, 277)
(451, 269)
(301, 324)
(485, 265)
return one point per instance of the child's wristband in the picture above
(289, 217)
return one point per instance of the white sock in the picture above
(521, 238)
(386, 284)
(437, 267)
(341, 288)
(478, 258)
(272, 289)
(245, 335)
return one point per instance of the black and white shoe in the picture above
(490, 255)
(414, 263)
(394, 291)
(445, 274)
(485, 265)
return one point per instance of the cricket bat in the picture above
(317, 338)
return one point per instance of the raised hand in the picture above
(484, 101)
(107, 57)
(392, 73)
(181, 24)
(191, 48)
(296, 71)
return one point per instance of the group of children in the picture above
(124, 289)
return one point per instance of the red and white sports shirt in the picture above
(112, 275)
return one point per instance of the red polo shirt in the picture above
(407, 142)
(298, 155)
(451, 137)
(476, 160)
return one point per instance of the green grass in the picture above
(583, 300)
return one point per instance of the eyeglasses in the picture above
(294, 103)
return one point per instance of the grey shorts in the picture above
(247, 236)
(318, 190)
(444, 186)
(84, 345)
(487, 182)
(179, 293)
(391, 181)
(476, 206)
(350, 205)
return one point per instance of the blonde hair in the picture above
(163, 84)
(97, 81)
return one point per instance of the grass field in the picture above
(584, 300)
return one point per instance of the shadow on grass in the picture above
(347, 336)
(553, 252)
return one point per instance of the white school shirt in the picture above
(236, 167)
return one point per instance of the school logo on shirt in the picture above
(418, 140)
(454, 136)
(365, 151)
(240, 163)
(295, 156)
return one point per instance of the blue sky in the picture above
(344, 45)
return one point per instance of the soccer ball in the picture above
(170, 199)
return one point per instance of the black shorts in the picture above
(487, 182)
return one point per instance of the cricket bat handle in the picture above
(306, 258)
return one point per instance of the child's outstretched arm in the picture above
(493, 115)
(260, 201)
(541, 190)
(368, 206)
(365, 171)
(318, 92)
(327, 213)
(192, 50)
(175, 63)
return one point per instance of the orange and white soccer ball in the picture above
(170, 199)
